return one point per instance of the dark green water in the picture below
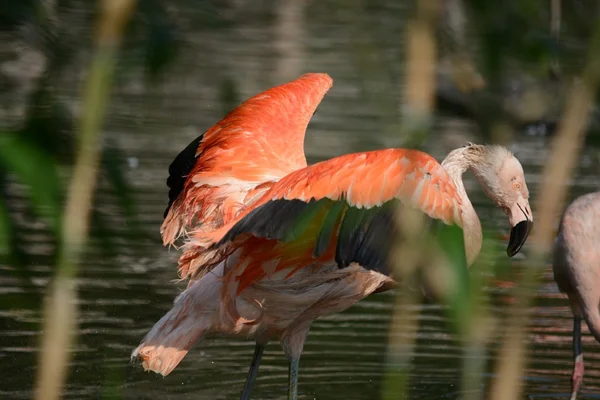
(343, 358)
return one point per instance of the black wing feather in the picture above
(349, 229)
(379, 237)
(364, 235)
(272, 220)
(180, 168)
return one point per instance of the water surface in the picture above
(120, 299)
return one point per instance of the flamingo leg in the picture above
(578, 367)
(293, 379)
(253, 371)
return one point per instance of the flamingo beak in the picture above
(521, 220)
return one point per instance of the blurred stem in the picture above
(289, 39)
(477, 333)
(473, 365)
(406, 256)
(60, 308)
(418, 103)
(564, 151)
(401, 342)
(555, 18)
(464, 74)
(421, 60)
(48, 11)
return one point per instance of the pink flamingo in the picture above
(281, 243)
(576, 265)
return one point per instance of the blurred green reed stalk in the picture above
(418, 102)
(60, 310)
(558, 170)
(441, 259)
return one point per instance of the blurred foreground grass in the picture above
(60, 312)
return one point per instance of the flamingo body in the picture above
(274, 244)
(576, 267)
(357, 186)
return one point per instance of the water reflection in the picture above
(343, 357)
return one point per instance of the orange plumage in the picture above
(290, 241)
(364, 181)
(236, 160)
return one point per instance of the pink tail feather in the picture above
(194, 314)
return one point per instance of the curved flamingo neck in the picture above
(455, 164)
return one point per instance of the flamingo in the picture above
(282, 248)
(576, 267)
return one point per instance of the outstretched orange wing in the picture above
(237, 160)
(340, 210)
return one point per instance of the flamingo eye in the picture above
(516, 185)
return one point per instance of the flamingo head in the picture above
(503, 180)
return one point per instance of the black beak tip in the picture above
(518, 236)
